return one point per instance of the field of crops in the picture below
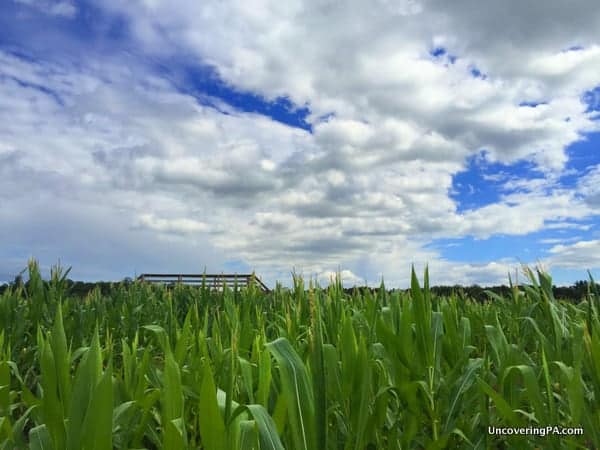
(300, 369)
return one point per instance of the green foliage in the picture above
(142, 366)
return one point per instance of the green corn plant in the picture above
(144, 366)
(298, 392)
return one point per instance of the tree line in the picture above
(575, 292)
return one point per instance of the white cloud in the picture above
(177, 225)
(580, 255)
(369, 188)
(51, 7)
(371, 67)
(520, 214)
(554, 241)
(347, 277)
(589, 187)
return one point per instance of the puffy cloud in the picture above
(392, 123)
(580, 255)
(523, 213)
(347, 277)
(371, 66)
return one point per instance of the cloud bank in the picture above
(110, 163)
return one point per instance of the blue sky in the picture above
(150, 136)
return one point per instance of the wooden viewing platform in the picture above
(216, 281)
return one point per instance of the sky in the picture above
(314, 136)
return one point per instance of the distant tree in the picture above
(581, 289)
(18, 281)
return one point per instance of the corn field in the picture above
(300, 369)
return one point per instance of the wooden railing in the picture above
(216, 281)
